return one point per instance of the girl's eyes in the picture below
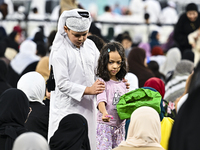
(119, 62)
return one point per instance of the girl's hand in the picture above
(106, 117)
(126, 82)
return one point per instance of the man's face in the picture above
(192, 15)
(77, 38)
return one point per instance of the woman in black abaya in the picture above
(14, 110)
(72, 134)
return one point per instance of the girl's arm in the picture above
(102, 109)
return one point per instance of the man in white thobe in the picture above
(74, 60)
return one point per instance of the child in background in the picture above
(111, 70)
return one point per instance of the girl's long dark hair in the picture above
(102, 70)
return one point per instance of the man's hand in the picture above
(96, 88)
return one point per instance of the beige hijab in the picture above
(144, 129)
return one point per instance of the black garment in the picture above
(189, 55)
(4, 86)
(38, 119)
(30, 68)
(182, 29)
(185, 131)
(12, 77)
(72, 134)
(46, 102)
(10, 41)
(3, 82)
(14, 109)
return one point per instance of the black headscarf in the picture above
(14, 109)
(191, 7)
(185, 131)
(72, 134)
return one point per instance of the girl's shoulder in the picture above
(100, 79)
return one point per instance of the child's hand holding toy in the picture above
(106, 117)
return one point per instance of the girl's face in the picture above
(114, 64)
(77, 38)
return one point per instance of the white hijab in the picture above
(33, 85)
(30, 141)
(26, 56)
(144, 129)
(133, 80)
(173, 57)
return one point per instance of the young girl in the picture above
(111, 70)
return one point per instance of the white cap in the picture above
(79, 20)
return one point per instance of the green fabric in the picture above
(137, 98)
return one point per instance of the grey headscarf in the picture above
(184, 67)
(176, 86)
(30, 141)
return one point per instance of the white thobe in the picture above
(74, 70)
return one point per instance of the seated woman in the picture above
(14, 111)
(33, 85)
(166, 118)
(72, 133)
(144, 131)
